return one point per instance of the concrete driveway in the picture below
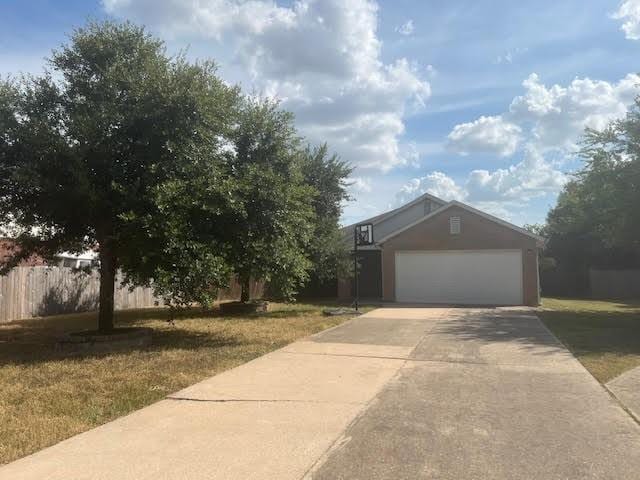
(399, 393)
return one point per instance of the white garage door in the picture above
(480, 277)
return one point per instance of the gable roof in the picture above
(455, 203)
(383, 216)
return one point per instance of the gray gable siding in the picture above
(407, 216)
(396, 219)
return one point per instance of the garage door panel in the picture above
(483, 277)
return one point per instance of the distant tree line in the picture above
(176, 178)
(596, 222)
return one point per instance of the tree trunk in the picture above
(107, 286)
(245, 283)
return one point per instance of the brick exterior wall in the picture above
(7, 250)
(477, 233)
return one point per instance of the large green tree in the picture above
(596, 221)
(268, 240)
(121, 148)
(328, 176)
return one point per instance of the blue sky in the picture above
(481, 101)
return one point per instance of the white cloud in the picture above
(435, 183)
(407, 28)
(360, 185)
(210, 18)
(531, 177)
(557, 115)
(321, 58)
(486, 134)
(629, 12)
(496, 192)
(539, 100)
(548, 117)
(544, 122)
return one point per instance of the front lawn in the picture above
(603, 335)
(47, 396)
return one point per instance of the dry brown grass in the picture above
(47, 396)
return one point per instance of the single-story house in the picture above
(433, 251)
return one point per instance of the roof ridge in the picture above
(378, 218)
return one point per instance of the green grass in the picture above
(603, 335)
(47, 396)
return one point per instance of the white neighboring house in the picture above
(74, 260)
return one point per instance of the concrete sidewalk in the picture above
(626, 388)
(399, 393)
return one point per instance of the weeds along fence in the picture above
(28, 292)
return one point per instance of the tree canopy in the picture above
(174, 177)
(267, 240)
(327, 174)
(596, 221)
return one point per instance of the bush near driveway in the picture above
(603, 335)
(47, 396)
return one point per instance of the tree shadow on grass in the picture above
(89, 320)
(599, 332)
(181, 339)
(35, 352)
(130, 316)
(294, 312)
(34, 341)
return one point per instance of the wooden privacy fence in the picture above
(28, 292)
(614, 283)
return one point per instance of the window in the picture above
(69, 262)
(454, 225)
